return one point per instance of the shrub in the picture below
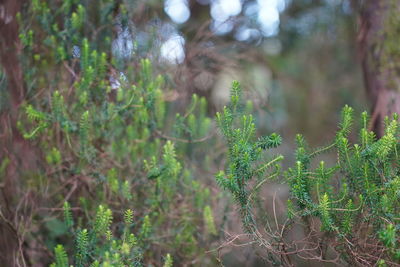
(355, 201)
(113, 146)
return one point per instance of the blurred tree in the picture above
(16, 154)
(379, 32)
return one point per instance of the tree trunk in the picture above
(380, 57)
(13, 147)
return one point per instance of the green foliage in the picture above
(3, 166)
(209, 220)
(243, 154)
(68, 219)
(112, 142)
(98, 246)
(128, 217)
(324, 207)
(61, 257)
(146, 227)
(84, 131)
(168, 261)
(388, 236)
(361, 190)
(103, 220)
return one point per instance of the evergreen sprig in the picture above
(60, 257)
(243, 154)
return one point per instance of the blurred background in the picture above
(297, 60)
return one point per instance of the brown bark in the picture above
(12, 145)
(8, 51)
(380, 78)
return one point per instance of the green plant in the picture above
(359, 191)
(243, 154)
(100, 122)
(99, 245)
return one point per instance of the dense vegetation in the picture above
(113, 188)
(349, 210)
(124, 166)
